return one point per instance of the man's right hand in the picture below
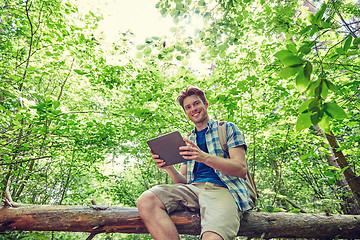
(175, 175)
(159, 162)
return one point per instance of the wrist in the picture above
(207, 158)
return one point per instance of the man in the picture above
(212, 180)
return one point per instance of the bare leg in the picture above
(157, 221)
(211, 236)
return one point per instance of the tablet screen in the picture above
(167, 147)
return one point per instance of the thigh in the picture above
(219, 211)
(177, 197)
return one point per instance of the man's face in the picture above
(195, 109)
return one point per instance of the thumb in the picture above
(190, 142)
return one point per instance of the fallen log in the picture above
(103, 219)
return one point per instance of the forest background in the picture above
(75, 114)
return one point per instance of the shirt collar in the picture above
(210, 125)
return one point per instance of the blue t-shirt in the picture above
(202, 172)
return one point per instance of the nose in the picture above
(194, 108)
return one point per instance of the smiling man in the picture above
(211, 181)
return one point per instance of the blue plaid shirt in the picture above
(237, 186)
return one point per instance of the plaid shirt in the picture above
(237, 186)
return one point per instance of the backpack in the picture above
(249, 178)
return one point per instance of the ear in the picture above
(206, 103)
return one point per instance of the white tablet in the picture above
(167, 147)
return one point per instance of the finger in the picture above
(154, 156)
(186, 148)
(159, 162)
(189, 142)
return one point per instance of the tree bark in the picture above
(351, 203)
(350, 176)
(99, 219)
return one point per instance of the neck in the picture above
(202, 125)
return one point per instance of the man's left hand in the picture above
(193, 152)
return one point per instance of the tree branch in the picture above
(27, 160)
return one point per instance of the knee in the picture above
(148, 201)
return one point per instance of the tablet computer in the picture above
(167, 147)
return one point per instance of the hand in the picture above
(193, 152)
(159, 162)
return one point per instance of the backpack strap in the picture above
(223, 135)
(249, 178)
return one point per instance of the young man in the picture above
(212, 181)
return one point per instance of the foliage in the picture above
(74, 125)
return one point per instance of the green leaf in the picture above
(279, 210)
(147, 51)
(319, 14)
(347, 43)
(163, 11)
(269, 208)
(295, 210)
(292, 61)
(324, 90)
(340, 51)
(303, 121)
(174, 13)
(305, 105)
(325, 25)
(305, 49)
(140, 47)
(56, 104)
(291, 47)
(148, 40)
(179, 58)
(356, 42)
(301, 82)
(139, 55)
(289, 71)
(222, 54)
(314, 104)
(283, 54)
(314, 30)
(331, 86)
(80, 72)
(305, 30)
(317, 91)
(311, 18)
(223, 47)
(31, 68)
(312, 87)
(19, 116)
(201, 3)
(308, 70)
(342, 171)
(352, 53)
(334, 111)
(316, 116)
(179, 6)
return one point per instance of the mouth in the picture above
(196, 114)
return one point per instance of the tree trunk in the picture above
(351, 203)
(350, 176)
(100, 219)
